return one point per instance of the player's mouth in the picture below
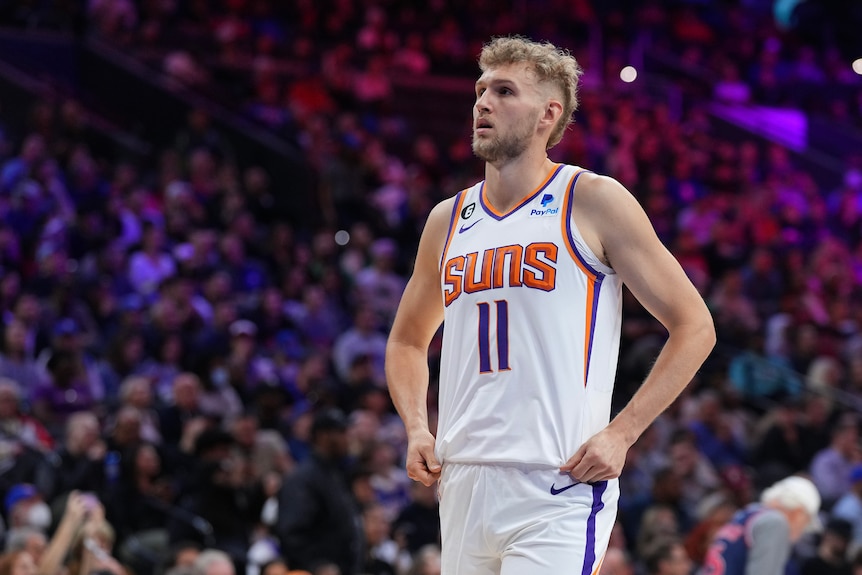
(482, 125)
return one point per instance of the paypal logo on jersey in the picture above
(545, 211)
(547, 199)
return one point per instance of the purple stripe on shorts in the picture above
(598, 505)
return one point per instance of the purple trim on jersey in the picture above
(590, 552)
(484, 337)
(526, 201)
(596, 292)
(452, 221)
(597, 275)
(570, 236)
(502, 335)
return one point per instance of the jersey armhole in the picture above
(584, 257)
(453, 220)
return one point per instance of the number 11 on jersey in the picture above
(502, 317)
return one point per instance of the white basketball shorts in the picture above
(523, 520)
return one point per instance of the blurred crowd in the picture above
(189, 384)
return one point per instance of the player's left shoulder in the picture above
(594, 187)
(598, 195)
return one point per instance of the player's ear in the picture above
(553, 111)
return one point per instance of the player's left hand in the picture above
(600, 458)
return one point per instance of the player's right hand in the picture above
(422, 465)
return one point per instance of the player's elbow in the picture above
(704, 330)
(695, 327)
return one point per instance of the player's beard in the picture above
(501, 148)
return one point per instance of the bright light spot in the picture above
(857, 66)
(628, 74)
(342, 237)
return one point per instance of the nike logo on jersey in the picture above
(555, 491)
(464, 228)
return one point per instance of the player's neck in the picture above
(507, 183)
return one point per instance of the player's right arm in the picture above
(419, 315)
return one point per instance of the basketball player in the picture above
(526, 268)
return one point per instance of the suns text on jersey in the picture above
(533, 266)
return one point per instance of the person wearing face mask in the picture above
(25, 507)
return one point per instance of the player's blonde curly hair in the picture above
(551, 64)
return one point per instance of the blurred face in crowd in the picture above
(616, 563)
(8, 399)
(35, 545)
(27, 309)
(82, 432)
(677, 562)
(275, 569)
(186, 557)
(375, 525)
(24, 564)
(186, 391)
(15, 337)
(147, 461)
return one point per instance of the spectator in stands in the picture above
(29, 539)
(181, 556)
(832, 466)
(137, 502)
(184, 408)
(418, 523)
(696, 475)
(381, 552)
(831, 558)
(714, 435)
(667, 557)
(18, 563)
(378, 285)
(616, 562)
(16, 426)
(78, 464)
(75, 382)
(362, 339)
(15, 362)
(780, 452)
(757, 377)
(849, 506)
(218, 491)
(125, 357)
(759, 538)
(213, 562)
(317, 519)
(151, 264)
(24, 506)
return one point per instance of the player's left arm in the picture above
(619, 228)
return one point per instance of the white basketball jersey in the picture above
(531, 330)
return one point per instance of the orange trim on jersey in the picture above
(453, 221)
(573, 251)
(522, 201)
(588, 326)
(592, 277)
(598, 568)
